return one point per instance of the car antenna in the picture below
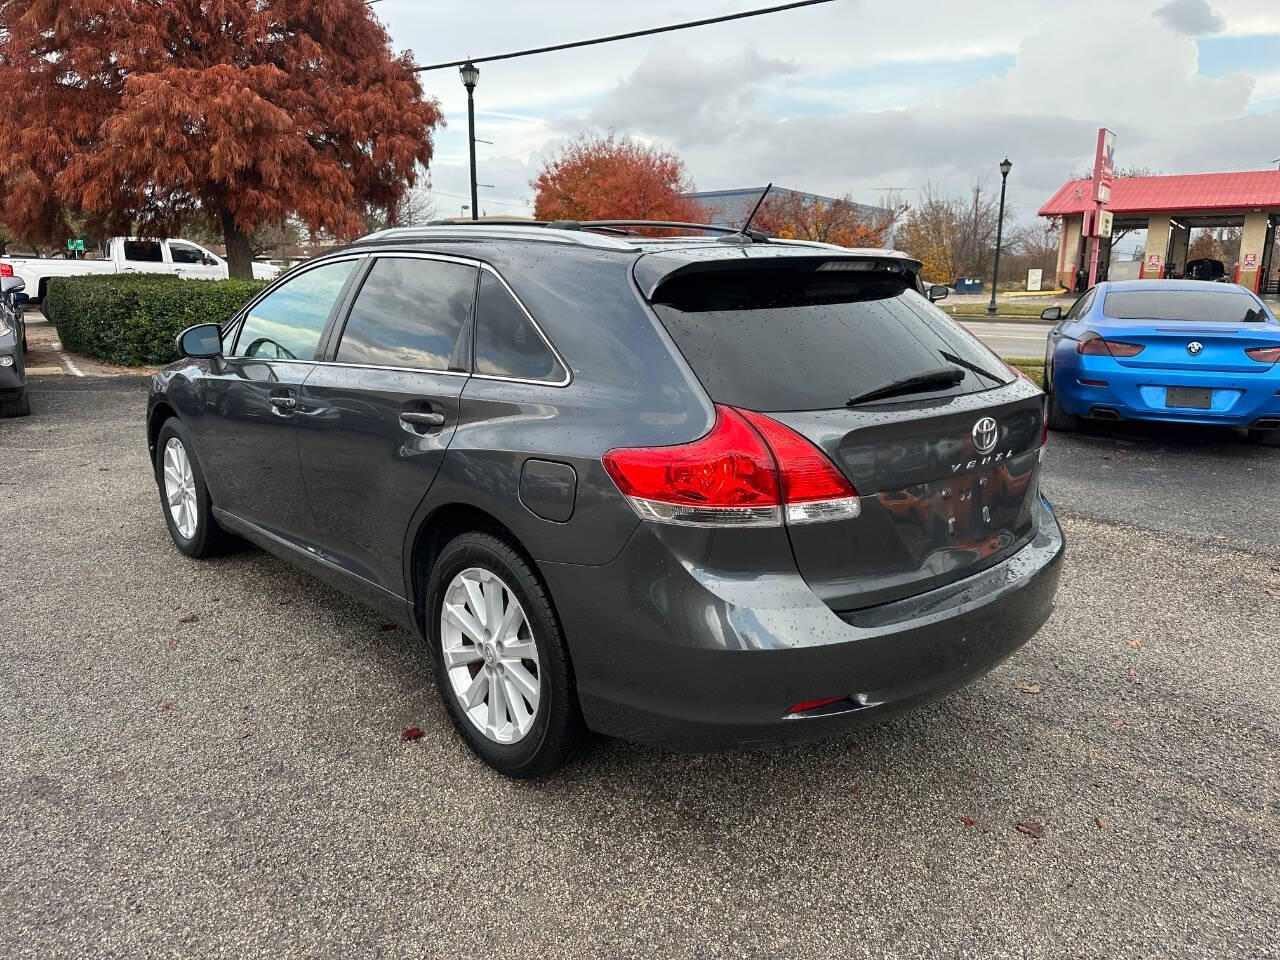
(743, 233)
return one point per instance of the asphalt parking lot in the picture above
(205, 758)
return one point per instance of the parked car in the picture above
(14, 401)
(1206, 269)
(706, 493)
(1177, 350)
(183, 258)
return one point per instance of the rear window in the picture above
(1229, 306)
(787, 338)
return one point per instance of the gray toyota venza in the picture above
(701, 491)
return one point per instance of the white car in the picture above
(184, 258)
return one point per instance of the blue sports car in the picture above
(1175, 350)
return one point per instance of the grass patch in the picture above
(1004, 309)
(1033, 367)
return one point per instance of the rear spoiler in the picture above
(652, 270)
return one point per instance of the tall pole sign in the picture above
(1104, 172)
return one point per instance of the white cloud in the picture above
(1192, 17)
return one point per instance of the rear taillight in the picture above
(1264, 354)
(6, 270)
(750, 470)
(1093, 345)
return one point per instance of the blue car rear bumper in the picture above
(1101, 386)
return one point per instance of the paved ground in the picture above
(1011, 338)
(203, 758)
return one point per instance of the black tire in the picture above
(208, 539)
(1058, 419)
(1264, 438)
(558, 733)
(18, 405)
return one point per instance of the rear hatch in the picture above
(947, 472)
(1181, 329)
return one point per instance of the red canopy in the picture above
(1194, 191)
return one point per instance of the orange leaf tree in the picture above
(136, 116)
(795, 216)
(607, 178)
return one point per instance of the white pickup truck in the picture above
(133, 255)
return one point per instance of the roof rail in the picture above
(753, 235)
(512, 230)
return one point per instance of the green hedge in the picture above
(132, 319)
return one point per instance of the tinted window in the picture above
(1082, 305)
(143, 251)
(1229, 306)
(185, 253)
(507, 343)
(287, 323)
(408, 314)
(788, 338)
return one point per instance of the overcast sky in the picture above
(857, 95)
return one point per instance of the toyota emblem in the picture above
(1194, 347)
(985, 435)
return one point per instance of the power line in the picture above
(627, 36)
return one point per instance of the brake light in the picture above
(1264, 354)
(6, 270)
(749, 470)
(1096, 346)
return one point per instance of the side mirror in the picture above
(201, 342)
(209, 262)
(1052, 314)
(938, 292)
(10, 285)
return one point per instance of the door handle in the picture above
(422, 419)
(283, 403)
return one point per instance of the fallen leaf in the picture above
(853, 746)
(1135, 643)
(167, 705)
(1102, 824)
(173, 643)
(1119, 722)
(967, 821)
(1106, 457)
(245, 736)
(1274, 593)
(857, 791)
(285, 601)
(1133, 674)
(189, 618)
(411, 733)
(1027, 687)
(1031, 829)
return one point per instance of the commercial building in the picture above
(1168, 209)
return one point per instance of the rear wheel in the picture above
(501, 663)
(1265, 438)
(1058, 419)
(188, 511)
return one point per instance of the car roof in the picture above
(1152, 286)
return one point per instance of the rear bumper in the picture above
(1238, 400)
(672, 654)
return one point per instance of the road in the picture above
(1010, 338)
(203, 758)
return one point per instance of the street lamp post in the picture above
(470, 75)
(1005, 166)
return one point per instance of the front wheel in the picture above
(188, 511)
(18, 405)
(501, 663)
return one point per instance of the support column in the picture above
(1252, 239)
(1153, 260)
(1069, 250)
(1178, 247)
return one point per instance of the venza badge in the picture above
(985, 435)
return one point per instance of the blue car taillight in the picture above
(1095, 345)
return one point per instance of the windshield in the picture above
(781, 338)
(1199, 306)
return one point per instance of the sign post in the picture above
(1104, 171)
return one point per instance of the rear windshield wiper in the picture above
(960, 361)
(938, 379)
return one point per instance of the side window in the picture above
(408, 314)
(507, 343)
(185, 252)
(1081, 306)
(143, 251)
(287, 323)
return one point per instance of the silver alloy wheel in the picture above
(180, 487)
(490, 656)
